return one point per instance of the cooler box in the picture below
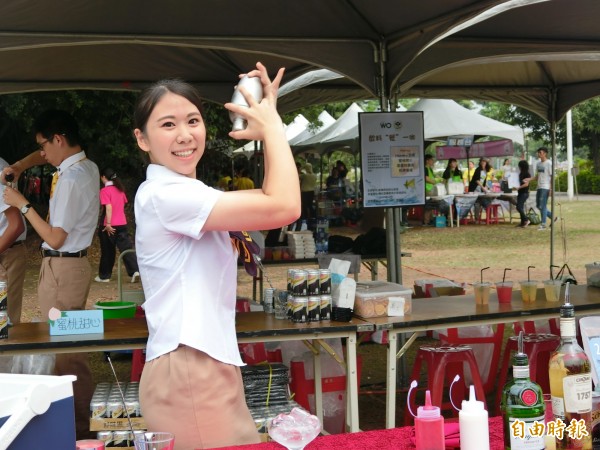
(380, 298)
(37, 412)
(593, 274)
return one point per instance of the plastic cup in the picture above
(154, 441)
(280, 300)
(528, 291)
(549, 439)
(504, 290)
(482, 293)
(552, 290)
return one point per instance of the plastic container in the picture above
(41, 409)
(440, 221)
(372, 299)
(117, 310)
(593, 274)
(429, 426)
(504, 291)
(473, 422)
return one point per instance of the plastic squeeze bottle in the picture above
(429, 426)
(473, 422)
(254, 86)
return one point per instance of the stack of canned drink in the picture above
(309, 295)
(3, 313)
(107, 404)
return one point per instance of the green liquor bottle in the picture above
(522, 406)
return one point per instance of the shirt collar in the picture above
(108, 183)
(155, 171)
(68, 162)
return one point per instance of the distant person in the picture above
(523, 192)
(430, 179)
(543, 176)
(439, 206)
(13, 258)
(468, 175)
(479, 184)
(342, 169)
(243, 181)
(113, 232)
(452, 172)
(308, 183)
(65, 273)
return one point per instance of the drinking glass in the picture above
(552, 290)
(154, 441)
(294, 430)
(280, 299)
(482, 293)
(549, 439)
(504, 290)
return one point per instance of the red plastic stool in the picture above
(491, 214)
(538, 348)
(443, 364)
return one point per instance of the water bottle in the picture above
(254, 86)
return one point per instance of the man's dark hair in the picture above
(55, 121)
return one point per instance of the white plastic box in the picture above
(381, 298)
(37, 412)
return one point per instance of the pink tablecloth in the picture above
(395, 438)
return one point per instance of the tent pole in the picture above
(552, 197)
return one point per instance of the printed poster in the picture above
(392, 149)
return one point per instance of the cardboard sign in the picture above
(76, 322)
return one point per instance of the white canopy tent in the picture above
(443, 118)
(326, 121)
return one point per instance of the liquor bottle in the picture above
(571, 381)
(254, 87)
(522, 405)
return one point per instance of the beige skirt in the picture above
(199, 399)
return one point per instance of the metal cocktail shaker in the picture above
(254, 86)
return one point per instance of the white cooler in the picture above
(37, 412)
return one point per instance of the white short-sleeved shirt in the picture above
(544, 174)
(4, 207)
(74, 203)
(189, 276)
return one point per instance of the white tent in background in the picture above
(443, 118)
(346, 121)
(293, 129)
(326, 120)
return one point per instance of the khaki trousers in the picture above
(64, 283)
(12, 270)
(198, 398)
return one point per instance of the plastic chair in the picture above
(538, 348)
(496, 339)
(491, 214)
(443, 364)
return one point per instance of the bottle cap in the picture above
(428, 411)
(472, 405)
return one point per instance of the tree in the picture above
(586, 129)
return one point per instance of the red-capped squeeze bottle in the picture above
(429, 426)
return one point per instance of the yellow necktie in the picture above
(52, 186)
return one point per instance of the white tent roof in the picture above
(443, 118)
(325, 119)
(347, 121)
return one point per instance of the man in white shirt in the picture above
(544, 184)
(12, 254)
(65, 274)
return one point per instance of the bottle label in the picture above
(578, 393)
(521, 436)
(558, 407)
(568, 328)
(529, 397)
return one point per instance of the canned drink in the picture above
(325, 313)
(3, 296)
(89, 444)
(290, 277)
(325, 281)
(121, 438)
(299, 306)
(133, 408)
(268, 300)
(290, 305)
(97, 408)
(313, 308)
(3, 325)
(114, 409)
(312, 283)
(106, 437)
(299, 283)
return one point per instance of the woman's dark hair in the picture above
(449, 172)
(152, 95)
(111, 175)
(524, 167)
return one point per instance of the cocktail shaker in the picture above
(254, 86)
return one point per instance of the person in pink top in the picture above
(113, 231)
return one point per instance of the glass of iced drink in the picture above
(294, 430)
(482, 293)
(529, 291)
(154, 441)
(552, 290)
(504, 291)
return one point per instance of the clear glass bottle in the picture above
(571, 381)
(522, 405)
